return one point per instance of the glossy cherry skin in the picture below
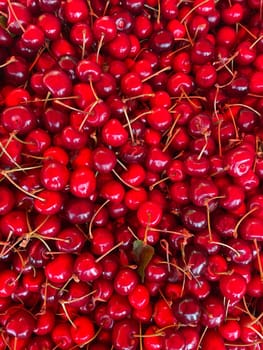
(123, 335)
(187, 310)
(86, 268)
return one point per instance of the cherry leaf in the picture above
(143, 254)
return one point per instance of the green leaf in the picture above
(143, 254)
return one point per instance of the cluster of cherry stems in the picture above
(131, 168)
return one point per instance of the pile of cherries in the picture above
(131, 168)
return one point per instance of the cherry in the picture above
(213, 312)
(82, 330)
(54, 176)
(61, 335)
(86, 268)
(19, 119)
(233, 286)
(50, 25)
(187, 310)
(58, 83)
(8, 283)
(21, 324)
(82, 182)
(75, 11)
(118, 307)
(152, 339)
(125, 281)
(123, 335)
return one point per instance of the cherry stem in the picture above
(158, 182)
(67, 314)
(259, 260)
(4, 173)
(91, 107)
(245, 106)
(234, 122)
(193, 9)
(255, 42)
(94, 216)
(156, 73)
(240, 221)
(11, 60)
(227, 246)
(136, 97)
(99, 47)
(123, 181)
(108, 252)
(129, 125)
(15, 16)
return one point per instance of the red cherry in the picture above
(82, 331)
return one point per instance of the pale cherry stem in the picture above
(227, 302)
(134, 235)
(66, 313)
(234, 122)
(83, 47)
(247, 30)
(108, 252)
(93, 90)
(23, 169)
(166, 301)
(241, 220)
(243, 345)
(47, 99)
(15, 16)
(255, 42)
(129, 125)
(159, 11)
(170, 140)
(106, 7)
(226, 84)
(202, 337)
(186, 234)
(99, 47)
(156, 73)
(224, 64)
(259, 260)
(204, 148)
(247, 309)
(193, 9)
(87, 114)
(136, 97)
(11, 60)
(226, 246)
(165, 245)
(3, 172)
(123, 181)
(89, 341)
(157, 334)
(40, 51)
(150, 7)
(138, 117)
(170, 135)
(94, 216)
(121, 164)
(184, 95)
(4, 150)
(186, 273)
(188, 35)
(140, 330)
(158, 182)
(181, 48)
(245, 106)
(58, 101)
(80, 298)
(208, 222)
